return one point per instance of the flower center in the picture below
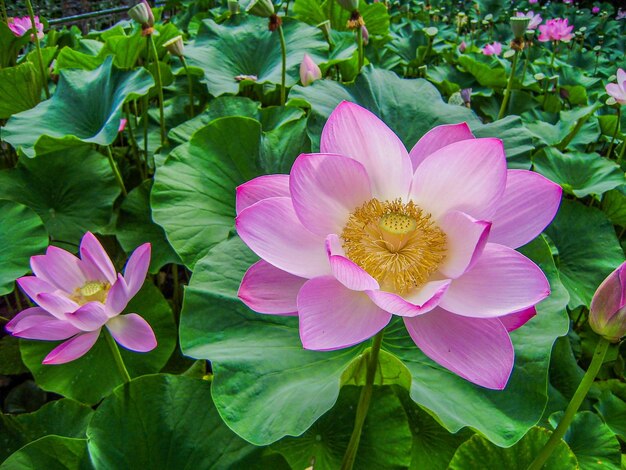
(396, 243)
(92, 291)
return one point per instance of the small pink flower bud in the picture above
(123, 122)
(462, 47)
(607, 315)
(366, 35)
(309, 71)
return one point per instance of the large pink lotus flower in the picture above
(535, 20)
(77, 297)
(556, 30)
(366, 230)
(21, 26)
(618, 90)
(492, 49)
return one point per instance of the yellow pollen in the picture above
(92, 291)
(395, 242)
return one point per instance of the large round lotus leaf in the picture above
(93, 376)
(478, 452)
(22, 235)
(51, 453)
(163, 422)
(20, 88)
(243, 45)
(86, 107)
(409, 107)
(72, 191)
(259, 359)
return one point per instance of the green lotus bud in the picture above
(262, 8)
(519, 25)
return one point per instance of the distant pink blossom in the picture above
(462, 47)
(77, 297)
(556, 30)
(621, 14)
(21, 26)
(123, 122)
(618, 90)
(492, 49)
(366, 230)
(535, 20)
(532, 2)
(595, 10)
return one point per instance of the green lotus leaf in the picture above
(51, 453)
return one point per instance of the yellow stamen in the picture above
(92, 291)
(396, 243)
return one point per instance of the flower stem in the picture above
(190, 83)
(364, 403)
(117, 357)
(42, 69)
(509, 85)
(159, 85)
(359, 42)
(283, 51)
(617, 125)
(116, 171)
(574, 404)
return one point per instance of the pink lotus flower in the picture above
(532, 2)
(21, 26)
(618, 90)
(621, 14)
(309, 71)
(595, 10)
(607, 315)
(556, 30)
(535, 20)
(493, 49)
(366, 230)
(77, 297)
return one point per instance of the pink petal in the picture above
(89, 317)
(261, 188)
(501, 281)
(137, 268)
(477, 349)
(468, 176)
(621, 76)
(436, 138)
(355, 132)
(266, 289)
(513, 321)
(413, 303)
(36, 323)
(96, 262)
(334, 317)
(132, 332)
(345, 271)
(528, 205)
(72, 349)
(59, 268)
(272, 230)
(33, 286)
(58, 305)
(325, 189)
(466, 238)
(118, 297)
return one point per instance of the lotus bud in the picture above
(366, 35)
(233, 7)
(142, 14)
(175, 46)
(466, 94)
(519, 25)
(309, 71)
(607, 315)
(262, 8)
(349, 5)
(462, 47)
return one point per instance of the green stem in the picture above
(359, 42)
(42, 69)
(364, 403)
(574, 404)
(144, 119)
(283, 75)
(617, 125)
(509, 85)
(159, 85)
(190, 83)
(116, 171)
(133, 144)
(553, 56)
(117, 357)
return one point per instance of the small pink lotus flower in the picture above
(492, 49)
(618, 90)
(21, 26)
(607, 315)
(556, 30)
(309, 71)
(535, 20)
(621, 14)
(77, 297)
(595, 10)
(366, 230)
(532, 2)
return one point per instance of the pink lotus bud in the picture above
(607, 315)
(462, 47)
(123, 122)
(532, 2)
(309, 71)
(366, 35)
(595, 10)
